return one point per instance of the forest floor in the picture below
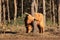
(49, 34)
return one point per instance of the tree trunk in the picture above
(32, 12)
(22, 8)
(0, 11)
(59, 12)
(32, 8)
(37, 6)
(34, 5)
(53, 12)
(3, 1)
(15, 15)
(8, 11)
(44, 12)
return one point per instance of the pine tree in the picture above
(22, 8)
(4, 10)
(44, 12)
(15, 15)
(53, 12)
(8, 11)
(59, 12)
(0, 11)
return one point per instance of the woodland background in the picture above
(12, 15)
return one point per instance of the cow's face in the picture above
(30, 18)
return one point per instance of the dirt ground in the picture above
(21, 35)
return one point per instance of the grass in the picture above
(19, 21)
(11, 26)
(49, 22)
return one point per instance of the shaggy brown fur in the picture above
(29, 19)
(29, 23)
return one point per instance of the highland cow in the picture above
(29, 19)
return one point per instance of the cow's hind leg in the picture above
(39, 28)
(26, 29)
